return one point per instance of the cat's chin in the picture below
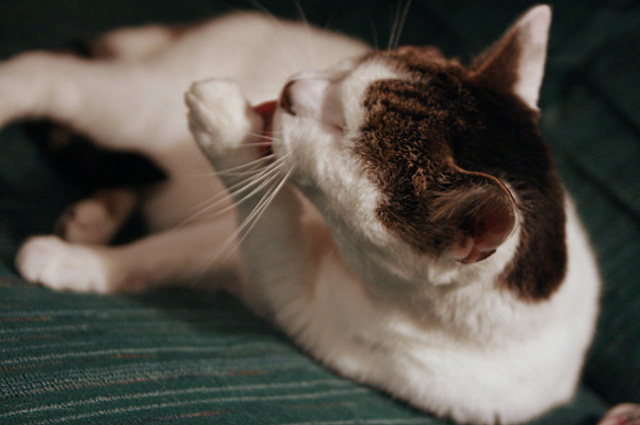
(266, 110)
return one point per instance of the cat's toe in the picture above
(218, 93)
(52, 262)
(220, 118)
(622, 414)
(87, 221)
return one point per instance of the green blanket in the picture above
(176, 356)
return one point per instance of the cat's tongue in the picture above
(266, 110)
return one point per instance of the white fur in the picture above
(431, 331)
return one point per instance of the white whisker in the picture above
(265, 183)
(251, 165)
(260, 184)
(394, 25)
(291, 65)
(310, 39)
(244, 228)
(254, 182)
(264, 203)
(262, 136)
(398, 25)
(222, 196)
(271, 168)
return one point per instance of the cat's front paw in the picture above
(220, 118)
(59, 265)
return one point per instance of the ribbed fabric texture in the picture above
(184, 357)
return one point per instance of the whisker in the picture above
(262, 136)
(393, 43)
(394, 25)
(260, 178)
(265, 183)
(257, 168)
(291, 65)
(260, 183)
(310, 39)
(264, 203)
(207, 208)
(243, 167)
(259, 174)
(247, 224)
(257, 144)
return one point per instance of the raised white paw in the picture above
(220, 118)
(63, 266)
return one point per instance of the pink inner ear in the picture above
(491, 225)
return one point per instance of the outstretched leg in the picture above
(136, 42)
(182, 255)
(127, 105)
(275, 251)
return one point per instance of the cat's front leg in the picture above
(183, 255)
(276, 255)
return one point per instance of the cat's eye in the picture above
(305, 96)
(285, 100)
(340, 129)
(316, 98)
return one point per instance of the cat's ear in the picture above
(482, 214)
(516, 62)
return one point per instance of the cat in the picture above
(398, 213)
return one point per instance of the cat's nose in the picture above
(304, 96)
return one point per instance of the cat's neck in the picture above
(452, 300)
(409, 278)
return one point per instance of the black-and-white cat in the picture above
(400, 214)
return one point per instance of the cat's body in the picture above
(449, 279)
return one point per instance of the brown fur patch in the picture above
(497, 66)
(445, 131)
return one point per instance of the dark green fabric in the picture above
(190, 358)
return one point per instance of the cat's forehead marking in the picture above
(403, 141)
(357, 85)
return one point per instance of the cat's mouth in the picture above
(266, 110)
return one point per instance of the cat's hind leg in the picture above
(276, 246)
(123, 105)
(134, 42)
(97, 219)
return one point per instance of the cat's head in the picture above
(408, 153)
